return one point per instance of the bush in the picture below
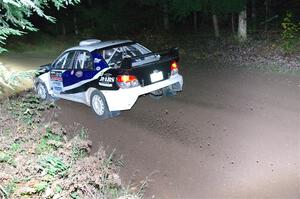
(289, 35)
(11, 82)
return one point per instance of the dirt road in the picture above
(229, 134)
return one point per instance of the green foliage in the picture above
(29, 108)
(6, 157)
(41, 187)
(183, 8)
(74, 195)
(58, 189)
(10, 187)
(15, 15)
(78, 153)
(53, 166)
(227, 6)
(290, 33)
(49, 142)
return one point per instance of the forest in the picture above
(212, 18)
(126, 16)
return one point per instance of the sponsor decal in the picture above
(56, 76)
(105, 84)
(57, 87)
(79, 74)
(97, 60)
(106, 80)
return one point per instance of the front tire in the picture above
(99, 105)
(42, 91)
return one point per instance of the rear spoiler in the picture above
(172, 53)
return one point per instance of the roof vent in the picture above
(89, 42)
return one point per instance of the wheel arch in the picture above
(44, 79)
(88, 94)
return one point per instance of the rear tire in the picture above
(99, 105)
(158, 94)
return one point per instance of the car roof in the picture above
(98, 45)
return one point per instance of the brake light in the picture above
(174, 68)
(127, 81)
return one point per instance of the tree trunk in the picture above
(76, 31)
(216, 25)
(90, 3)
(242, 29)
(195, 21)
(266, 14)
(63, 29)
(232, 22)
(253, 14)
(166, 15)
(253, 10)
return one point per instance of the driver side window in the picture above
(60, 63)
(65, 61)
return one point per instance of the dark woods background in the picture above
(115, 17)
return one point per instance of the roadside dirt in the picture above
(230, 134)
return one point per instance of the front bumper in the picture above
(124, 99)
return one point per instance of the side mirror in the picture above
(45, 67)
(48, 67)
(126, 63)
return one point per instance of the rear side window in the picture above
(114, 56)
(83, 60)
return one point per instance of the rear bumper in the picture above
(124, 99)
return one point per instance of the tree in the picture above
(183, 8)
(15, 15)
(242, 29)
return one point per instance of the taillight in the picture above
(174, 68)
(127, 81)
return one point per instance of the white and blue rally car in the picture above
(109, 76)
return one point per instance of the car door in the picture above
(82, 71)
(59, 69)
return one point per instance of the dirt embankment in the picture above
(38, 160)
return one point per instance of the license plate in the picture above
(156, 76)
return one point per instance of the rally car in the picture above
(109, 76)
